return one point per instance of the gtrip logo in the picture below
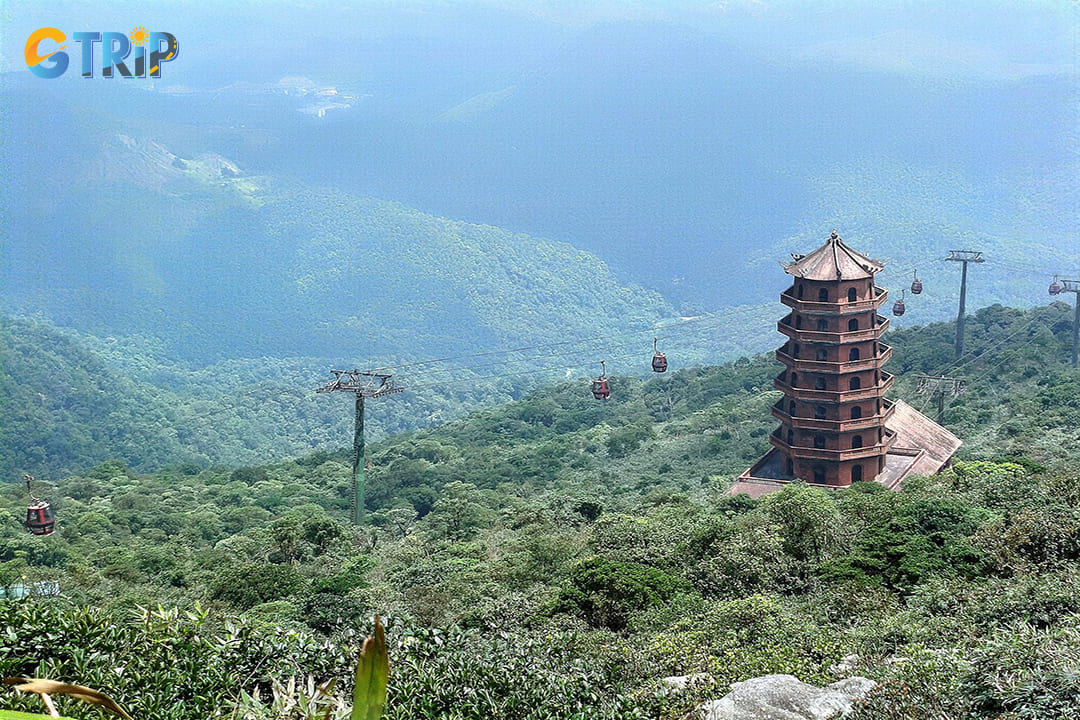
(114, 50)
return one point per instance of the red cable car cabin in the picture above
(39, 518)
(1055, 288)
(659, 359)
(916, 284)
(898, 308)
(601, 390)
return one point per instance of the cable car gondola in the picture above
(1055, 287)
(659, 359)
(916, 284)
(898, 308)
(601, 389)
(39, 515)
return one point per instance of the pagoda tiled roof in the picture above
(833, 261)
(915, 430)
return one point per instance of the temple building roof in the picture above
(833, 261)
(929, 445)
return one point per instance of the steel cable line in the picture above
(994, 366)
(977, 352)
(633, 359)
(440, 370)
(696, 322)
(973, 353)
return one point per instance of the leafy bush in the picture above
(607, 592)
(160, 665)
(740, 639)
(1031, 672)
(247, 586)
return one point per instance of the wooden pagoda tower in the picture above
(836, 426)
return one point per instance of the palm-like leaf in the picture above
(45, 688)
(372, 674)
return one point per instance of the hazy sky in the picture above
(976, 38)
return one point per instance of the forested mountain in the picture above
(220, 265)
(231, 212)
(69, 400)
(558, 555)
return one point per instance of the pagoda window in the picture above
(795, 351)
(854, 383)
(798, 291)
(822, 325)
(856, 412)
(819, 475)
(819, 383)
(794, 379)
(822, 354)
(853, 354)
(852, 296)
(823, 295)
(856, 473)
(819, 442)
(790, 437)
(856, 441)
(798, 321)
(791, 408)
(853, 324)
(819, 412)
(790, 467)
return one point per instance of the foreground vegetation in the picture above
(556, 557)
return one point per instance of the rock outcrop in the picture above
(784, 697)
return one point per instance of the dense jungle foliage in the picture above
(69, 399)
(556, 557)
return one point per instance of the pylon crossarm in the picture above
(363, 385)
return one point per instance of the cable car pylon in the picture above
(363, 385)
(963, 256)
(1073, 286)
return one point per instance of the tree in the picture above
(459, 512)
(249, 585)
(811, 525)
(288, 537)
(607, 592)
(321, 531)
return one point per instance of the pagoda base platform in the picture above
(922, 447)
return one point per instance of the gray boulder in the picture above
(784, 697)
(680, 683)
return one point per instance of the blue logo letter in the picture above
(159, 55)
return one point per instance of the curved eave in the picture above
(833, 261)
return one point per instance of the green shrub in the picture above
(739, 639)
(247, 586)
(607, 592)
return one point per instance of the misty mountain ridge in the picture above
(242, 267)
(234, 221)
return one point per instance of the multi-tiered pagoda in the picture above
(836, 426)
